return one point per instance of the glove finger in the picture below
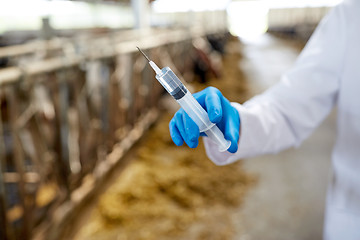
(232, 131)
(200, 97)
(213, 105)
(175, 133)
(210, 100)
(179, 120)
(192, 131)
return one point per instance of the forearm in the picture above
(263, 130)
(280, 118)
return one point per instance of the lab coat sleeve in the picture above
(286, 114)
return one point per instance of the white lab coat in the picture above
(326, 74)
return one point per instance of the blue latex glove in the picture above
(220, 111)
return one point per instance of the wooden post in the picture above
(104, 112)
(148, 77)
(126, 86)
(136, 82)
(39, 146)
(82, 109)
(114, 110)
(4, 224)
(18, 158)
(4, 233)
(61, 147)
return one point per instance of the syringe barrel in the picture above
(195, 111)
(171, 83)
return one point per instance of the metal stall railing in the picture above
(65, 121)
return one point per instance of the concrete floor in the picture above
(289, 199)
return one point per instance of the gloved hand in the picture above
(220, 111)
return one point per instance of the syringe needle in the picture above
(152, 64)
(143, 54)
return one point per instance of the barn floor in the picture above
(170, 192)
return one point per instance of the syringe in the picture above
(196, 112)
